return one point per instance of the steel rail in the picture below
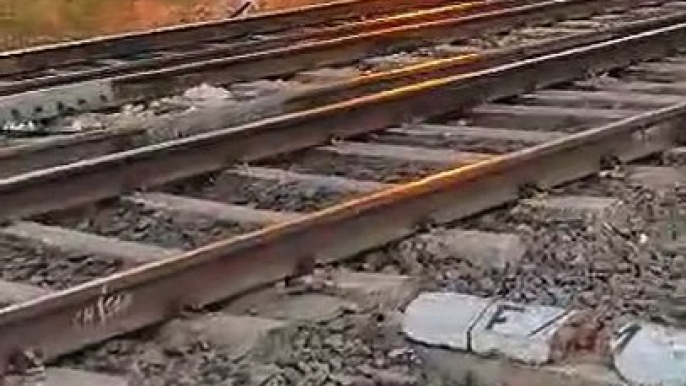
(63, 149)
(107, 176)
(152, 293)
(355, 88)
(43, 103)
(22, 159)
(128, 44)
(197, 52)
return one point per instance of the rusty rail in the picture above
(155, 292)
(37, 58)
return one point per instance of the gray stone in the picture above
(649, 354)
(307, 307)
(443, 319)
(522, 333)
(206, 209)
(675, 156)
(488, 249)
(658, 177)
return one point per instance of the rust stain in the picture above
(585, 337)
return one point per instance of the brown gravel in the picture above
(145, 362)
(356, 349)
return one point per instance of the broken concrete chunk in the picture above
(522, 333)
(443, 319)
(651, 355)
(206, 93)
(468, 339)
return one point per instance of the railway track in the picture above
(139, 257)
(33, 62)
(243, 103)
(34, 96)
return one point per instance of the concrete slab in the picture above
(574, 208)
(59, 376)
(634, 86)
(475, 133)
(543, 117)
(335, 183)
(71, 241)
(485, 327)
(12, 292)
(404, 153)
(657, 177)
(598, 99)
(327, 75)
(319, 299)
(373, 290)
(239, 336)
(217, 211)
(487, 249)
(449, 50)
(305, 307)
(651, 355)
(393, 61)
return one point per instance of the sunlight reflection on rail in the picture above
(27, 23)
